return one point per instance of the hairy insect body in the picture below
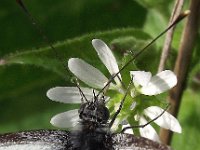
(94, 132)
(90, 140)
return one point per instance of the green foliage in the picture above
(28, 67)
(74, 48)
(189, 119)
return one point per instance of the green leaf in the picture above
(81, 47)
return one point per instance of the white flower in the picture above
(89, 75)
(148, 85)
(92, 76)
(143, 82)
(166, 121)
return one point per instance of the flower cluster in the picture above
(143, 83)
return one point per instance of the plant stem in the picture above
(182, 64)
(169, 35)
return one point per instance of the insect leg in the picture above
(144, 125)
(121, 104)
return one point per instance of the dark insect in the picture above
(94, 131)
(60, 140)
(93, 134)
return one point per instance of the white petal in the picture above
(69, 94)
(106, 57)
(166, 121)
(160, 83)
(128, 131)
(140, 77)
(68, 119)
(148, 131)
(87, 73)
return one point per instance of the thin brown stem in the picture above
(169, 35)
(182, 64)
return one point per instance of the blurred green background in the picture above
(31, 68)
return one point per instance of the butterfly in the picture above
(93, 132)
(59, 140)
